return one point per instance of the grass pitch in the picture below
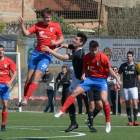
(36, 126)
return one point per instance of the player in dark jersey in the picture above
(93, 98)
(77, 61)
(130, 90)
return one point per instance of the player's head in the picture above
(46, 15)
(130, 56)
(93, 48)
(64, 69)
(79, 40)
(1, 51)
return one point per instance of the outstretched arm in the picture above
(57, 55)
(12, 79)
(25, 32)
(60, 46)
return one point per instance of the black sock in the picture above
(135, 112)
(128, 110)
(95, 112)
(90, 118)
(72, 114)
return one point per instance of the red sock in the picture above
(4, 116)
(31, 90)
(26, 87)
(107, 112)
(67, 103)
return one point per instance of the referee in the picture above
(130, 90)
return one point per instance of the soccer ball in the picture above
(138, 67)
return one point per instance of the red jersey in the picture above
(98, 66)
(5, 66)
(45, 34)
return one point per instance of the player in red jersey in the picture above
(47, 33)
(99, 69)
(6, 80)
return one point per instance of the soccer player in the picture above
(130, 90)
(6, 80)
(47, 33)
(99, 69)
(93, 98)
(77, 61)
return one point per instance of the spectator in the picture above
(48, 77)
(64, 76)
(113, 93)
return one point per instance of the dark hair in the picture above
(83, 37)
(93, 44)
(64, 67)
(115, 67)
(1, 46)
(48, 11)
(130, 52)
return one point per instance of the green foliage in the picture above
(2, 26)
(102, 31)
(125, 22)
(65, 27)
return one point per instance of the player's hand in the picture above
(21, 20)
(119, 83)
(45, 48)
(83, 78)
(53, 43)
(58, 81)
(8, 84)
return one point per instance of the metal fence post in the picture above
(117, 102)
(54, 97)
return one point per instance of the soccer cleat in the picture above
(24, 102)
(57, 115)
(87, 122)
(129, 124)
(3, 128)
(107, 127)
(92, 129)
(135, 123)
(18, 104)
(71, 127)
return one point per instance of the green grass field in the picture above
(44, 126)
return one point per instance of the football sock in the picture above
(95, 112)
(26, 86)
(128, 110)
(31, 90)
(107, 112)
(135, 112)
(67, 103)
(4, 116)
(72, 114)
(90, 118)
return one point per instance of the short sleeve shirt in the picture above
(45, 34)
(98, 66)
(77, 60)
(5, 66)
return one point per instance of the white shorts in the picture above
(74, 82)
(130, 93)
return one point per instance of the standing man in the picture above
(6, 80)
(48, 77)
(77, 61)
(47, 33)
(99, 68)
(130, 90)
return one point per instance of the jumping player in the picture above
(77, 61)
(130, 90)
(99, 69)
(6, 80)
(47, 33)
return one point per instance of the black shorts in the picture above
(93, 95)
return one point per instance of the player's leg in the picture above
(127, 99)
(5, 95)
(134, 95)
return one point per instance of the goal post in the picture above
(19, 75)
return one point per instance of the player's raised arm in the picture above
(60, 46)
(25, 32)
